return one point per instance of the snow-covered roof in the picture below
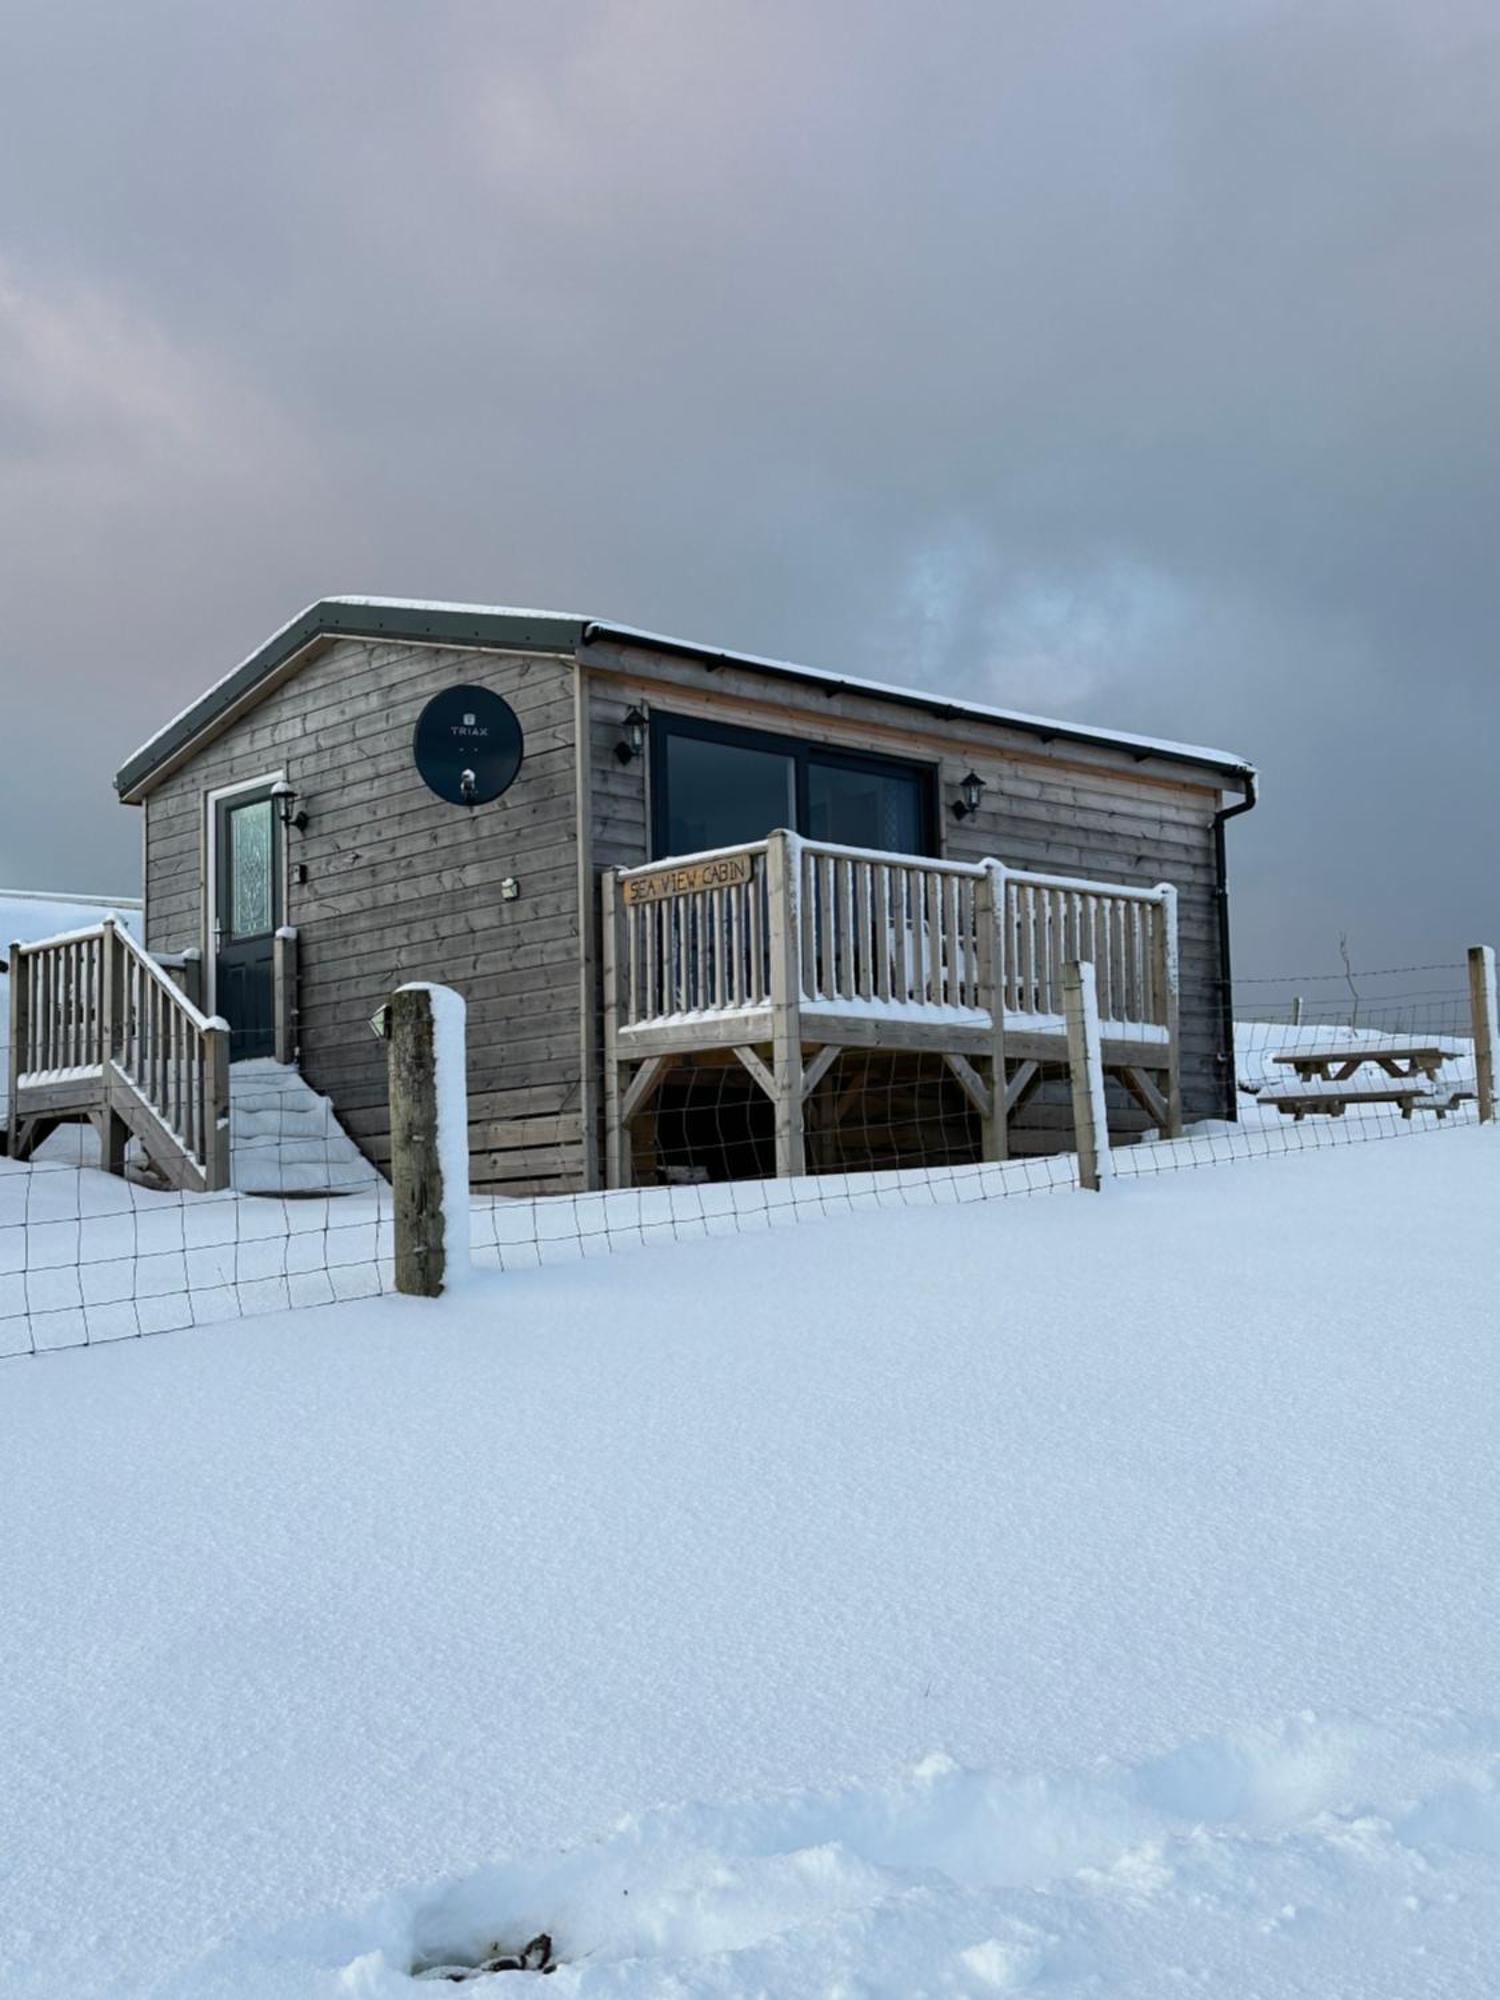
(435, 621)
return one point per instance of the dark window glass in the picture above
(720, 794)
(856, 806)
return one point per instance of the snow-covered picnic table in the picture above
(1335, 1061)
(1328, 1077)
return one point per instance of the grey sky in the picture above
(1132, 362)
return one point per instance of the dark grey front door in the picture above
(247, 846)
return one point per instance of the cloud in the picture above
(1132, 363)
(139, 476)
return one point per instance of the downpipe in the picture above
(1226, 970)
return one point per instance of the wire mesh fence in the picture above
(1320, 1060)
(87, 1257)
(1405, 1033)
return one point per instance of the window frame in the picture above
(803, 753)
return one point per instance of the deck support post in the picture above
(1086, 1071)
(1164, 978)
(783, 891)
(617, 1161)
(989, 920)
(1486, 1026)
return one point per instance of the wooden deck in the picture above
(788, 952)
(100, 1033)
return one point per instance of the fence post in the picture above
(990, 942)
(1486, 1028)
(19, 1025)
(429, 1138)
(783, 902)
(1086, 1071)
(284, 993)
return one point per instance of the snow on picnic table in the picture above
(1094, 1596)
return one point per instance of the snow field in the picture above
(1085, 1597)
(1337, 1836)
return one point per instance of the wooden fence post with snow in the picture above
(429, 1138)
(1086, 1071)
(1486, 1028)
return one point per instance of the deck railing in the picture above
(1130, 935)
(98, 1028)
(880, 934)
(695, 937)
(887, 931)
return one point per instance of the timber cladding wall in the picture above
(1062, 807)
(403, 886)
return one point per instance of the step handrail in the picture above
(95, 1017)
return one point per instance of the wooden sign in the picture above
(724, 871)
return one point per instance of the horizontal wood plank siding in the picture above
(402, 886)
(1061, 807)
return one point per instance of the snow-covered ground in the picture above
(1093, 1596)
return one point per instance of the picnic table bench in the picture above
(1327, 1078)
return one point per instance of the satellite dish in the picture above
(468, 745)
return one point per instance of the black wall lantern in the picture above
(632, 736)
(971, 791)
(287, 810)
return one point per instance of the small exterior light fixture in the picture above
(971, 789)
(285, 796)
(632, 736)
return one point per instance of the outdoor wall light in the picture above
(632, 736)
(971, 791)
(285, 796)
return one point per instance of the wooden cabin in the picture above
(729, 915)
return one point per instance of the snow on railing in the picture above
(875, 933)
(98, 1025)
